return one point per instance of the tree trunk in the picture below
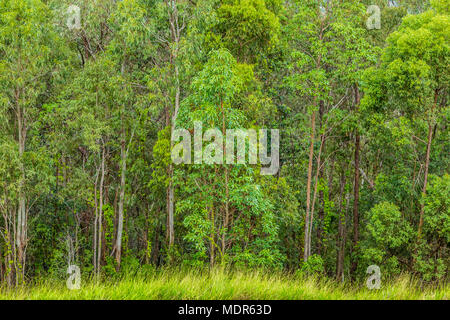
(307, 245)
(322, 141)
(94, 259)
(123, 156)
(170, 208)
(100, 214)
(341, 228)
(356, 191)
(425, 179)
(211, 243)
(21, 231)
(9, 273)
(308, 186)
(156, 241)
(227, 214)
(321, 213)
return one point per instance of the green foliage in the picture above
(388, 235)
(248, 27)
(432, 253)
(313, 266)
(414, 65)
(86, 117)
(437, 209)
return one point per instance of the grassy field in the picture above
(189, 285)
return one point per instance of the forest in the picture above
(353, 96)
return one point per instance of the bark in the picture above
(227, 214)
(123, 156)
(21, 229)
(356, 191)
(307, 240)
(321, 212)
(9, 267)
(425, 181)
(308, 187)
(341, 228)
(156, 241)
(94, 258)
(170, 209)
(211, 242)
(427, 164)
(175, 30)
(100, 214)
(322, 141)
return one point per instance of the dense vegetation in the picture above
(87, 113)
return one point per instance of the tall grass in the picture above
(219, 284)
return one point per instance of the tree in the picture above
(328, 57)
(31, 55)
(413, 77)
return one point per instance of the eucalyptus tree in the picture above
(85, 25)
(222, 203)
(130, 46)
(167, 23)
(413, 77)
(329, 51)
(31, 56)
(248, 28)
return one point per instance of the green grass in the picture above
(189, 285)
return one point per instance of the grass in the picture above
(192, 285)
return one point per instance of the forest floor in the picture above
(191, 285)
